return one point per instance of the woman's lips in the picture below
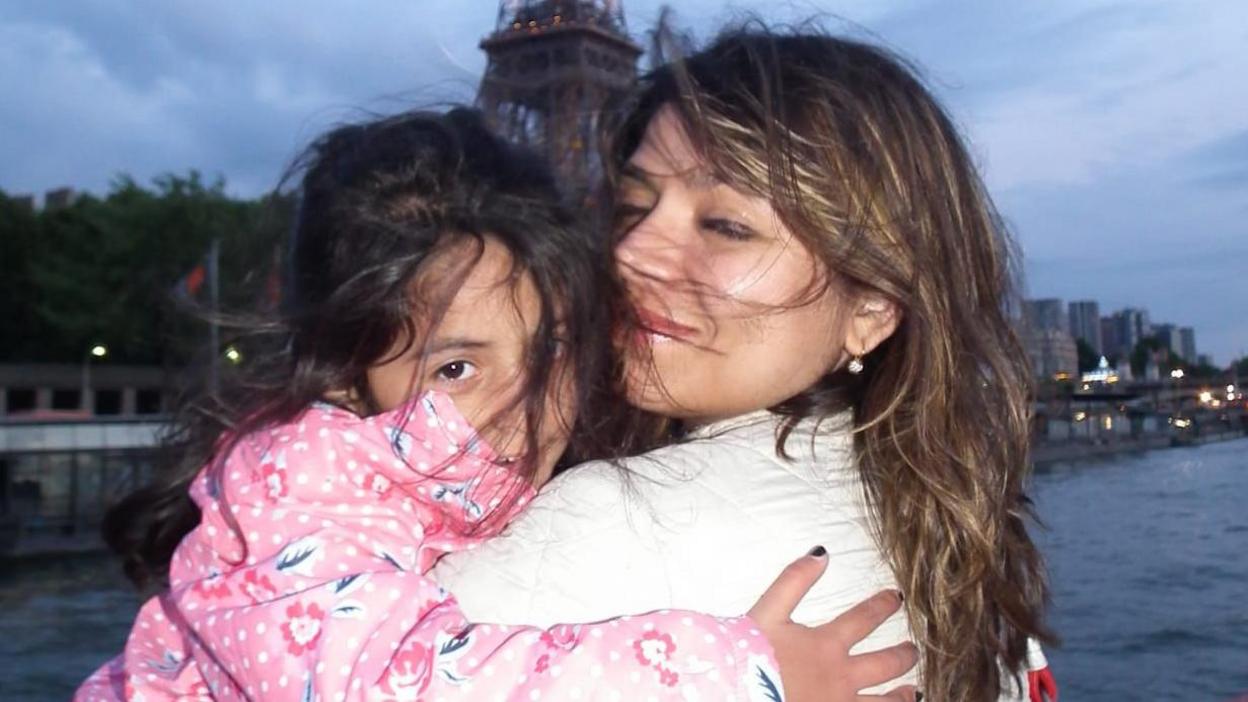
(655, 324)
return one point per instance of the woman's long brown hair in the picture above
(864, 166)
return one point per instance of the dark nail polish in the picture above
(918, 697)
(818, 552)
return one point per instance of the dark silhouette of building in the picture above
(59, 198)
(553, 65)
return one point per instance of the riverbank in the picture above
(1049, 452)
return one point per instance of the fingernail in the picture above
(918, 696)
(818, 552)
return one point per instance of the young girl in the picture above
(436, 286)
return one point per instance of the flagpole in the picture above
(214, 333)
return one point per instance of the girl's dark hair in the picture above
(862, 164)
(376, 201)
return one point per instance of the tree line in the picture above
(105, 270)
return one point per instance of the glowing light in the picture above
(99, 350)
(233, 355)
(1107, 422)
(1177, 373)
(1182, 423)
(1206, 397)
(1080, 416)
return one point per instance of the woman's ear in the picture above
(875, 319)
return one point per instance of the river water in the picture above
(1148, 555)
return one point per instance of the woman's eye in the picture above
(629, 213)
(729, 229)
(456, 370)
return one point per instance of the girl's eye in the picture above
(456, 370)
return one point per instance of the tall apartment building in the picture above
(1122, 330)
(1046, 335)
(1168, 336)
(1085, 323)
(1046, 314)
(1187, 344)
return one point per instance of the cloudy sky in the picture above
(1113, 133)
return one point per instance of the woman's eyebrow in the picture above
(631, 172)
(456, 342)
(697, 177)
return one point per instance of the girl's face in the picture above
(738, 315)
(477, 354)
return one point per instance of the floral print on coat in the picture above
(305, 580)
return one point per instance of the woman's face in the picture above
(738, 314)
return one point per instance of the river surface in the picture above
(1148, 555)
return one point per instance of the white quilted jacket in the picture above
(703, 525)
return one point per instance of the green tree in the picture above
(103, 269)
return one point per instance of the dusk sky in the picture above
(1112, 133)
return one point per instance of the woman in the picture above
(820, 290)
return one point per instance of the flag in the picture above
(203, 274)
(189, 285)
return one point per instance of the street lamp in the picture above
(96, 351)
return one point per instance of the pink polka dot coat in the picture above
(305, 581)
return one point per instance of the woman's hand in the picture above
(815, 663)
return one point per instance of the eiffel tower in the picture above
(553, 65)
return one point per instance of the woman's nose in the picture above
(651, 250)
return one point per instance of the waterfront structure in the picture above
(58, 475)
(43, 390)
(1084, 317)
(552, 66)
(1103, 374)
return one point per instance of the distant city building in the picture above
(58, 199)
(1152, 369)
(1085, 323)
(1048, 314)
(1168, 336)
(1125, 328)
(1052, 353)
(1111, 344)
(24, 201)
(1187, 344)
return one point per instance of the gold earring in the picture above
(855, 365)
